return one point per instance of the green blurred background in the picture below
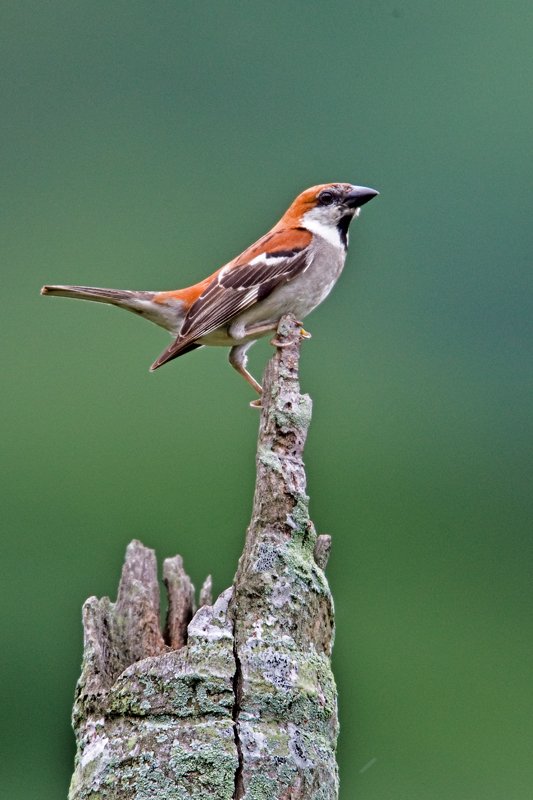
(143, 145)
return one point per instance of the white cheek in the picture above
(327, 230)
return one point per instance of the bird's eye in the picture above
(326, 198)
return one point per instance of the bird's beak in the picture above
(358, 196)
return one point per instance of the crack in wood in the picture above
(237, 691)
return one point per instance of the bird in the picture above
(289, 270)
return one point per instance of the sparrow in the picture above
(291, 269)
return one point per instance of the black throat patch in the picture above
(342, 226)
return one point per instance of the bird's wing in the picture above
(234, 289)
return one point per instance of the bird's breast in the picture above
(303, 294)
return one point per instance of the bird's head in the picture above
(329, 207)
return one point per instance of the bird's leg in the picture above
(259, 330)
(266, 327)
(238, 360)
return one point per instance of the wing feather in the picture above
(231, 292)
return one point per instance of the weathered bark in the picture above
(236, 701)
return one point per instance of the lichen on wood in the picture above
(235, 701)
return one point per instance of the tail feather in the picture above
(168, 315)
(113, 296)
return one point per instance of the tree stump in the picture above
(236, 700)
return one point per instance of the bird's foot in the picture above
(256, 403)
(275, 342)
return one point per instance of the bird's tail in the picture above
(117, 297)
(168, 315)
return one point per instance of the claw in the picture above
(256, 403)
(275, 342)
